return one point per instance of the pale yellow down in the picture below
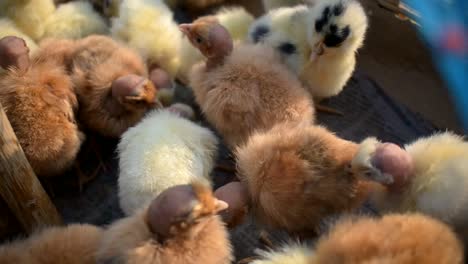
(75, 20)
(30, 15)
(439, 183)
(236, 20)
(148, 27)
(290, 254)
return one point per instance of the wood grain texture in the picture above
(20, 188)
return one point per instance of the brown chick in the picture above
(243, 89)
(110, 80)
(180, 226)
(38, 98)
(392, 239)
(74, 244)
(298, 175)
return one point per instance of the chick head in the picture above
(210, 37)
(14, 53)
(336, 25)
(181, 207)
(386, 163)
(134, 92)
(284, 30)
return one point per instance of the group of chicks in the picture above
(257, 82)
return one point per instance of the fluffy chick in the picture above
(163, 150)
(30, 15)
(74, 20)
(238, 94)
(235, 19)
(110, 81)
(429, 175)
(393, 239)
(38, 98)
(284, 29)
(148, 27)
(317, 42)
(73, 244)
(180, 226)
(336, 31)
(298, 175)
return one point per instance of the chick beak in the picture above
(186, 29)
(317, 51)
(221, 205)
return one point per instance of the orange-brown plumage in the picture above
(180, 226)
(393, 239)
(40, 105)
(74, 244)
(243, 89)
(94, 63)
(297, 175)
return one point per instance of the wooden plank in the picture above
(19, 186)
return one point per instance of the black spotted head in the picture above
(283, 29)
(336, 24)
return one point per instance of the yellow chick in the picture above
(429, 175)
(392, 239)
(235, 19)
(30, 15)
(317, 42)
(74, 20)
(336, 30)
(163, 150)
(8, 28)
(148, 27)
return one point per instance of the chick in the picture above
(298, 175)
(30, 15)
(38, 98)
(55, 245)
(239, 94)
(336, 31)
(429, 175)
(163, 150)
(317, 42)
(285, 30)
(235, 19)
(111, 82)
(74, 20)
(8, 28)
(180, 226)
(392, 239)
(148, 27)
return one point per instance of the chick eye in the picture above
(287, 48)
(259, 33)
(198, 40)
